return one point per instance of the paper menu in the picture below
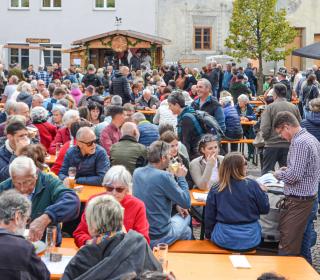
(57, 267)
(200, 196)
(239, 261)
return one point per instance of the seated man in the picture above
(17, 138)
(90, 159)
(112, 134)
(52, 203)
(158, 190)
(128, 151)
(148, 131)
(17, 255)
(147, 101)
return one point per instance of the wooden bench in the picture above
(201, 247)
(240, 141)
(68, 243)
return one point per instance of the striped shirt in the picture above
(303, 165)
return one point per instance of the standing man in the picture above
(120, 85)
(213, 78)
(227, 76)
(282, 77)
(276, 148)
(301, 179)
(249, 73)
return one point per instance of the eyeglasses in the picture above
(110, 188)
(89, 144)
(161, 150)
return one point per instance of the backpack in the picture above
(205, 123)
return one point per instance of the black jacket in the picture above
(288, 86)
(120, 86)
(91, 80)
(119, 255)
(18, 259)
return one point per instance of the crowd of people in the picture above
(147, 137)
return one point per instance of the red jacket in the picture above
(135, 218)
(59, 161)
(62, 136)
(109, 136)
(47, 132)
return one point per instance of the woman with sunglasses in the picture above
(205, 169)
(117, 183)
(234, 207)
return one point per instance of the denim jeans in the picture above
(310, 235)
(180, 230)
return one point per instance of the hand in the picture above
(147, 108)
(244, 119)
(212, 159)
(277, 174)
(154, 107)
(263, 188)
(182, 212)
(38, 227)
(182, 171)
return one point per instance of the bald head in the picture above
(130, 129)
(22, 109)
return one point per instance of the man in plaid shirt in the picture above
(301, 179)
(43, 75)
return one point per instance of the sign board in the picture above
(38, 41)
(189, 60)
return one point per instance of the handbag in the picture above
(258, 140)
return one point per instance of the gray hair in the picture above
(74, 86)
(83, 131)
(226, 100)
(26, 88)
(104, 214)
(157, 150)
(206, 83)
(10, 104)
(314, 105)
(37, 96)
(138, 117)
(128, 128)
(59, 108)
(11, 202)
(21, 166)
(34, 84)
(118, 174)
(116, 100)
(19, 106)
(70, 117)
(243, 98)
(39, 114)
(147, 90)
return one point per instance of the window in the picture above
(20, 56)
(19, 4)
(104, 4)
(202, 38)
(51, 56)
(51, 4)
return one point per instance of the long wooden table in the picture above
(88, 191)
(260, 102)
(147, 112)
(210, 266)
(195, 202)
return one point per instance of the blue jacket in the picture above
(227, 207)
(90, 169)
(158, 195)
(227, 76)
(250, 115)
(312, 124)
(233, 125)
(213, 108)
(61, 204)
(148, 133)
(5, 159)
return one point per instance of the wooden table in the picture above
(197, 202)
(50, 159)
(210, 266)
(88, 191)
(147, 112)
(259, 102)
(248, 122)
(65, 252)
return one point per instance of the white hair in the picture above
(10, 104)
(22, 166)
(60, 108)
(226, 100)
(118, 174)
(243, 98)
(26, 88)
(37, 96)
(70, 116)
(34, 84)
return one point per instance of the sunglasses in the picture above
(89, 144)
(110, 188)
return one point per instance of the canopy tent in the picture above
(310, 51)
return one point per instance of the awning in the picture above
(310, 51)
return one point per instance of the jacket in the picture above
(109, 136)
(120, 86)
(18, 259)
(143, 103)
(233, 125)
(90, 168)
(76, 94)
(47, 132)
(312, 124)
(165, 115)
(25, 98)
(50, 197)
(112, 259)
(212, 107)
(135, 218)
(128, 152)
(6, 157)
(288, 86)
(148, 133)
(249, 114)
(62, 136)
(238, 88)
(91, 80)
(269, 134)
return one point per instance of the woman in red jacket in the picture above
(117, 183)
(47, 131)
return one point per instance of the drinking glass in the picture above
(161, 253)
(72, 172)
(51, 238)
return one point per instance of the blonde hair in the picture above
(232, 167)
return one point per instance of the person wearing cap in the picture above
(238, 88)
(282, 77)
(91, 78)
(88, 92)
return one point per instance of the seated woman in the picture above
(57, 114)
(234, 207)
(233, 126)
(205, 169)
(112, 252)
(117, 183)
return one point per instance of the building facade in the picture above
(54, 24)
